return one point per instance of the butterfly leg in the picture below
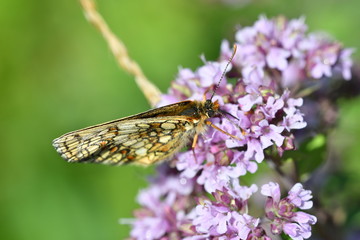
(193, 145)
(219, 129)
(195, 140)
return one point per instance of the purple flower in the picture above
(302, 229)
(294, 73)
(188, 164)
(210, 73)
(300, 197)
(211, 218)
(293, 31)
(345, 63)
(269, 134)
(163, 205)
(224, 217)
(272, 106)
(277, 58)
(246, 102)
(271, 190)
(294, 118)
(282, 212)
(321, 60)
(254, 150)
(246, 35)
(149, 228)
(244, 224)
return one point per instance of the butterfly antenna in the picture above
(224, 72)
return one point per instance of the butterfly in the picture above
(144, 138)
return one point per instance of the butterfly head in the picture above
(211, 108)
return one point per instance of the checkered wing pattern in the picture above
(139, 141)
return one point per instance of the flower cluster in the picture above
(258, 116)
(282, 49)
(201, 198)
(175, 208)
(165, 205)
(288, 57)
(281, 211)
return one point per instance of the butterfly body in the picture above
(142, 139)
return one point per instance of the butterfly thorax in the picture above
(200, 109)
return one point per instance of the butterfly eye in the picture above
(210, 113)
(208, 103)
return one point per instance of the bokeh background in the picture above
(57, 75)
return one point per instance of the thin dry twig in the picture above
(117, 47)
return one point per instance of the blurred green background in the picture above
(58, 75)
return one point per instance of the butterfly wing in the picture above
(139, 141)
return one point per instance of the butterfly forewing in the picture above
(141, 139)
